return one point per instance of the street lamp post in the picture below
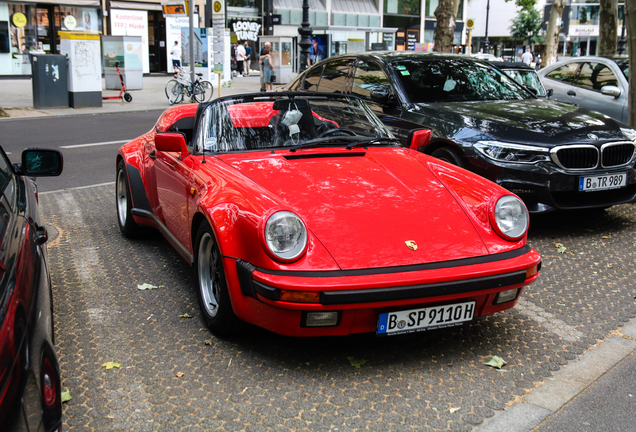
(487, 42)
(620, 48)
(305, 42)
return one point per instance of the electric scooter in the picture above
(126, 96)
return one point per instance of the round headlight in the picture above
(511, 217)
(285, 235)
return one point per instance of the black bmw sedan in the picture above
(555, 156)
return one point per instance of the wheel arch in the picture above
(436, 144)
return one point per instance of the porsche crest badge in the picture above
(411, 244)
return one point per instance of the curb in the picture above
(565, 385)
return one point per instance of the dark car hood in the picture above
(532, 121)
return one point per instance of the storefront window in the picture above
(402, 7)
(584, 15)
(22, 37)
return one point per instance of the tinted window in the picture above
(334, 78)
(527, 77)
(312, 79)
(565, 73)
(7, 182)
(367, 77)
(451, 80)
(595, 76)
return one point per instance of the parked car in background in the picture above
(30, 385)
(487, 57)
(302, 214)
(555, 156)
(595, 83)
(525, 75)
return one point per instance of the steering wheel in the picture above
(333, 131)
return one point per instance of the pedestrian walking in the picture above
(175, 55)
(527, 57)
(268, 70)
(248, 59)
(240, 59)
(267, 45)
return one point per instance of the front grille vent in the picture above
(584, 157)
(617, 154)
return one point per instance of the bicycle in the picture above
(198, 91)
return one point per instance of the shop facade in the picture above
(34, 28)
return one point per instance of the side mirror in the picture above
(611, 91)
(382, 96)
(549, 93)
(419, 138)
(41, 162)
(171, 142)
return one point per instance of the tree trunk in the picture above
(552, 35)
(630, 6)
(608, 27)
(444, 34)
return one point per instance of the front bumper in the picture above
(360, 296)
(544, 187)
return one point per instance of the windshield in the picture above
(528, 78)
(293, 120)
(456, 79)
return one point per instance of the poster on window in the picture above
(132, 23)
(173, 34)
(319, 48)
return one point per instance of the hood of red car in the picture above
(364, 206)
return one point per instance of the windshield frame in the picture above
(209, 123)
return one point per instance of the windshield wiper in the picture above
(373, 142)
(335, 140)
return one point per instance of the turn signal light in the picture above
(532, 271)
(300, 296)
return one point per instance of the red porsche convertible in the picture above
(302, 214)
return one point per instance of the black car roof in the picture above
(402, 55)
(510, 65)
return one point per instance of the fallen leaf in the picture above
(208, 342)
(452, 410)
(180, 374)
(560, 248)
(496, 362)
(356, 363)
(110, 365)
(185, 315)
(147, 286)
(605, 237)
(66, 396)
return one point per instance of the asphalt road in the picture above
(175, 375)
(83, 165)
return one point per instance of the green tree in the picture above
(526, 26)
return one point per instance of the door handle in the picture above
(571, 93)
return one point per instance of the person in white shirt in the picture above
(240, 59)
(527, 57)
(175, 55)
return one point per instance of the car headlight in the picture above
(285, 235)
(515, 153)
(629, 133)
(511, 217)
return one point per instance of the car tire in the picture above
(449, 155)
(214, 299)
(123, 202)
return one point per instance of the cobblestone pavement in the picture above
(176, 376)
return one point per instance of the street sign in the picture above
(470, 23)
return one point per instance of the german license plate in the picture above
(602, 182)
(408, 321)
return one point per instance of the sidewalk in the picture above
(16, 97)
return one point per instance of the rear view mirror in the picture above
(532, 90)
(171, 142)
(419, 138)
(42, 162)
(610, 90)
(285, 104)
(382, 96)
